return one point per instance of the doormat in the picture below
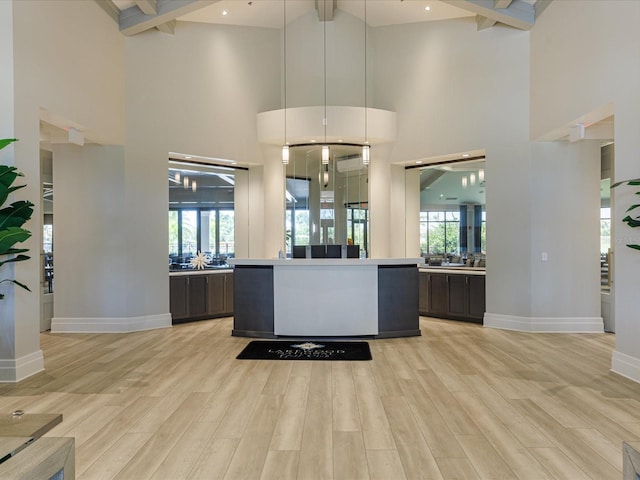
(305, 350)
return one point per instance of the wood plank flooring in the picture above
(459, 402)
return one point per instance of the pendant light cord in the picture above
(366, 138)
(324, 6)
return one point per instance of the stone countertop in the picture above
(455, 270)
(206, 271)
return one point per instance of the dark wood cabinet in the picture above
(452, 296)
(199, 297)
(438, 297)
(178, 297)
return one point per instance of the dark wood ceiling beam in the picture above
(134, 21)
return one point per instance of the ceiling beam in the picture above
(519, 14)
(484, 22)
(134, 21)
(540, 6)
(169, 27)
(148, 7)
(111, 8)
(326, 9)
(501, 3)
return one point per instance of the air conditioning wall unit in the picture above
(349, 163)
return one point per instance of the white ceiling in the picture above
(269, 13)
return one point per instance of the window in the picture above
(201, 213)
(452, 208)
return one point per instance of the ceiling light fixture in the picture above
(224, 13)
(427, 8)
(285, 147)
(325, 147)
(366, 148)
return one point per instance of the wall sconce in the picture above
(481, 175)
(186, 182)
(472, 179)
(464, 182)
(194, 186)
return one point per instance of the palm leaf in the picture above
(16, 215)
(18, 258)
(636, 247)
(16, 282)
(11, 236)
(6, 141)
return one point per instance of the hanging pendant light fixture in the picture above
(285, 147)
(366, 147)
(325, 147)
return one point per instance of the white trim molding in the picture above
(544, 324)
(625, 365)
(14, 370)
(110, 324)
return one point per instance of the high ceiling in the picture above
(136, 16)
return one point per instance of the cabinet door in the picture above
(476, 296)
(228, 293)
(178, 297)
(437, 294)
(216, 294)
(423, 293)
(457, 305)
(197, 295)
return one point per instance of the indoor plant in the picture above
(629, 219)
(12, 218)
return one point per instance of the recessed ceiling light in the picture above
(465, 155)
(418, 162)
(312, 141)
(225, 13)
(187, 157)
(427, 8)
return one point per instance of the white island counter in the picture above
(326, 297)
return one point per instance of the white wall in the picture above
(578, 64)
(91, 243)
(81, 80)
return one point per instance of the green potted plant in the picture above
(630, 220)
(12, 218)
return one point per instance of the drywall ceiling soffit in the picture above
(520, 14)
(148, 14)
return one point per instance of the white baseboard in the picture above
(15, 370)
(626, 365)
(110, 325)
(544, 324)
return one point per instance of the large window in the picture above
(453, 219)
(201, 213)
(439, 232)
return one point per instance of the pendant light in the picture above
(325, 147)
(285, 147)
(366, 147)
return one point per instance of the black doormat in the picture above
(305, 350)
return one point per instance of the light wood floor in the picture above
(460, 402)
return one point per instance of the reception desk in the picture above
(326, 297)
